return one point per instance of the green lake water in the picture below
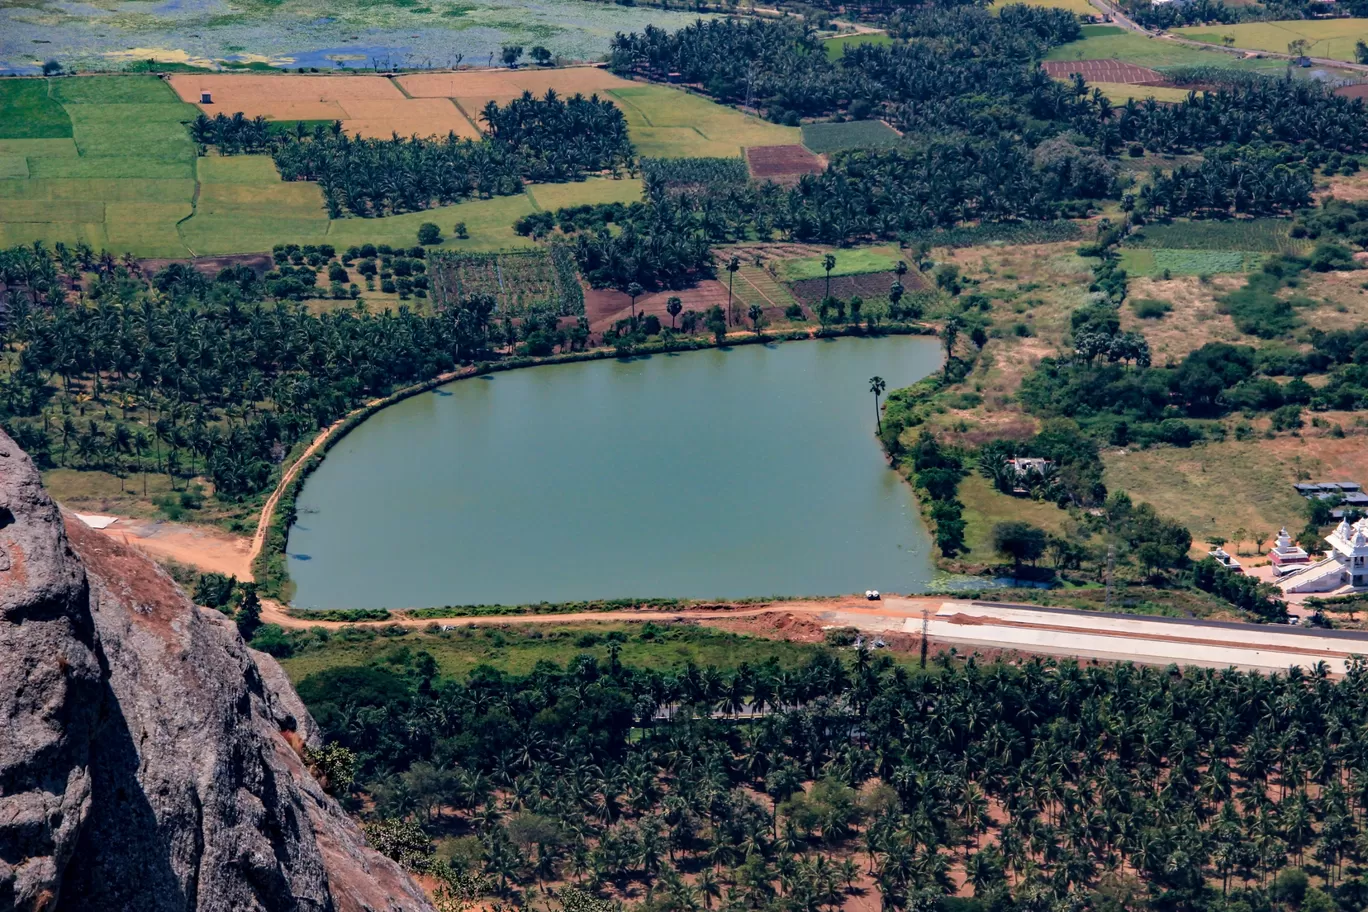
(714, 474)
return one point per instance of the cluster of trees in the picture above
(186, 374)
(1298, 112)
(239, 134)
(1235, 180)
(548, 139)
(658, 246)
(1034, 787)
(557, 139)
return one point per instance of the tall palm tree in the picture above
(877, 386)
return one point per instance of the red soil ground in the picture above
(605, 306)
(781, 164)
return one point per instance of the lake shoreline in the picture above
(269, 562)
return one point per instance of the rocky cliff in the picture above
(148, 760)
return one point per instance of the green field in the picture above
(1120, 93)
(1156, 53)
(27, 111)
(848, 262)
(669, 123)
(1155, 262)
(1333, 38)
(825, 138)
(836, 47)
(1265, 234)
(108, 161)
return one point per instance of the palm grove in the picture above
(1043, 786)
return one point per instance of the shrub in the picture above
(1150, 309)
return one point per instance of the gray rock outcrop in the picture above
(148, 760)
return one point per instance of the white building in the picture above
(1346, 566)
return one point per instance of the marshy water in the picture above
(726, 473)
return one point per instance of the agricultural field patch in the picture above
(107, 90)
(848, 262)
(670, 123)
(1158, 261)
(1114, 71)
(27, 111)
(1119, 93)
(593, 191)
(781, 164)
(825, 138)
(1193, 320)
(472, 83)
(1332, 38)
(1263, 234)
(489, 222)
(836, 47)
(1077, 7)
(869, 286)
(519, 281)
(11, 167)
(1155, 53)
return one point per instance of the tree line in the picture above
(549, 138)
(1044, 786)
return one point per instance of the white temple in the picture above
(1287, 556)
(1346, 566)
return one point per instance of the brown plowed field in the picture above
(781, 164)
(869, 286)
(509, 83)
(1353, 91)
(1103, 71)
(605, 306)
(372, 106)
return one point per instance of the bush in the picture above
(1150, 309)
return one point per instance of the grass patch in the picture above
(27, 111)
(1120, 92)
(670, 123)
(824, 138)
(1333, 38)
(1152, 52)
(517, 650)
(836, 47)
(985, 507)
(1212, 489)
(490, 223)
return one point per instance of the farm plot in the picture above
(870, 286)
(1263, 235)
(593, 191)
(1333, 38)
(518, 281)
(372, 106)
(1113, 71)
(781, 164)
(1105, 42)
(1120, 92)
(825, 138)
(665, 122)
(100, 160)
(837, 46)
(1162, 261)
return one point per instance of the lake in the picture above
(730, 473)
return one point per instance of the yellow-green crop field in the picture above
(108, 161)
(1077, 7)
(1333, 38)
(669, 123)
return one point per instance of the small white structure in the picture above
(1222, 557)
(1346, 567)
(205, 97)
(1287, 556)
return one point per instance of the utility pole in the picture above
(925, 643)
(1111, 565)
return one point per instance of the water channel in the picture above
(714, 474)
